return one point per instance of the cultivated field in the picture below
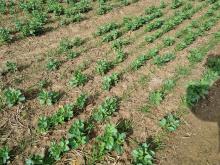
(103, 82)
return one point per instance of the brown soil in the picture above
(198, 140)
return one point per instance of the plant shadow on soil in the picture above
(208, 108)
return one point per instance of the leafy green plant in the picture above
(196, 91)
(120, 56)
(151, 10)
(13, 96)
(55, 7)
(139, 62)
(81, 102)
(53, 64)
(43, 124)
(169, 24)
(78, 41)
(176, 3)
(72, 54)
(111, 140)
(119, 43)
(11, 66)
(33, 26)
(154, 25)
(48, 97)
(63, 114)
(43, 83)
(4, 155)
(32, 5)
(65, 45)
(195, 56)
(150, 39)
(152, 53)
(78, 134)
(144, 154)
(34, 159)
(170, 122)
(3, 7)
(78, 79)
(213, 63)
(162, 60)
(168, 41)
(168, 85)
(155, 98)
(110, 81)
(103, 67)
(139, 21)
(5, 36)
(103, 8)
(112, 35)
(57, 149)
(106, 109)
(106, 28)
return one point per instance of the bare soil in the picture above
(197, 142)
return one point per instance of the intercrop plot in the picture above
(84, 81)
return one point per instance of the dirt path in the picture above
(197, 142)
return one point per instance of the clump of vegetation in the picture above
(32, 5)
(144, 154)
(157, 96)
(111, 140)
(4, 155)
(154, 25)
(63, 114)
(53, 64)
(78, 134)
(140, 61)
(11, 66)
(213, 63)
(120, 56)
(195, 56)
(33, 26)
(106, 28)
(113, 35)
(170, 122)
(48, 97)
(103, 67)
(176, 4)
(72, 54)
(13, 96)
(110, 81)
(162, 60)
(5, 36)
(168, 41)
(58, 148)
(78, 79)
(66, 44)
(103, 8)
(199, 89)
(3, 7)
(78, 41)
(106, 109)
(119, 43)
(34, 159)
(55, 7)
